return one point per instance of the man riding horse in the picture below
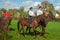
(6, 15)
(39, 11)
(4, 25)
(31, 15)
(35, 22)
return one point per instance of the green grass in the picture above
(52, 31)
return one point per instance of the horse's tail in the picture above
(18, 25)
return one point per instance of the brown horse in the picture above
(34, 24)
(23, 22)
(44, 21)
(4, 26)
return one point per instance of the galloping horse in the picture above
(34, 24)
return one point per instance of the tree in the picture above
(47, 5)
(2, 12)
(21, 10)
(3, 9)
(13, 12)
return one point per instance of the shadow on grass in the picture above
(32, 33)
(11, 36)
(12, 29)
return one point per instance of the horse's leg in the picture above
(40, 32)
(34, 32)
(43, 31)
(18, 25)
(23, 31)
(27, 29)
(8, 27)
(8, 30)
(10, 21)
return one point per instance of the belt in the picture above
(31, 16)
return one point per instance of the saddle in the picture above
(30, 19)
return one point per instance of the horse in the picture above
(34, 24)
(4, 26)
(43, 22)
(23, 22)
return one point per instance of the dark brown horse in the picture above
(34, 24)
(44, 21)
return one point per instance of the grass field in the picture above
(52, 31)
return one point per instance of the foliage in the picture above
(22, 13)
(47, 5)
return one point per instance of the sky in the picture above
(11, 4)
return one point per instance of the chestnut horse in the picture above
(34, 24)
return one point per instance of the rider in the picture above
(31, 15)
(39, 11)
(6, 14)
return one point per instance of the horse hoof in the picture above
(44, 35)
(40, 33)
